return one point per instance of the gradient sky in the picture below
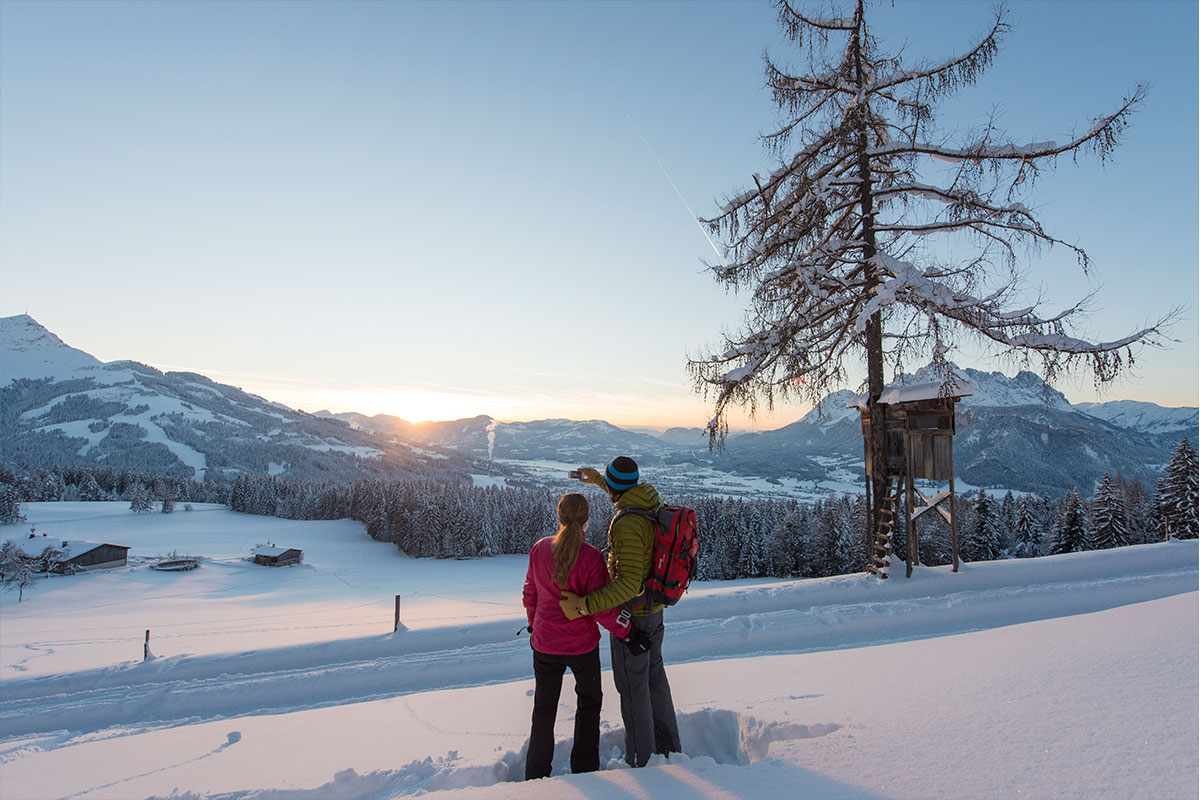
(437, 210)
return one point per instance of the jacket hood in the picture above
(643, 495)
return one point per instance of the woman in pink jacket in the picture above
(556, 563)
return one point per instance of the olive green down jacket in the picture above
(630, 550)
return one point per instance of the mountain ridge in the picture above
(62, 406)
(1012, 432)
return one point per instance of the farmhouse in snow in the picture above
(271, 556)
(74, 556)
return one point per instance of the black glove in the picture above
(636, 642)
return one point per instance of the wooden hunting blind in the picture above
(919, 441)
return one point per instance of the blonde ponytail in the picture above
(572, 518)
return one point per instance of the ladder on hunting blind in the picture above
(881, 547)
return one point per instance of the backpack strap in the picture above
(641, 512)
(642, 599)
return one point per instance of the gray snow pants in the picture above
(646, 706)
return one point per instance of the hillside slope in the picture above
(61, 406)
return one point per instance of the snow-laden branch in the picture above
(911, 286)
(953, 71)
(790, 15)
(1101, 135)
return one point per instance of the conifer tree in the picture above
(1141, 511)
(89, 488)
(1070, 532)
(848, 546)
(10, 509)
(1176, 506)
(786, 544)
(1008, 522)
(836, 242)
(1027, 540)
(981, 539)
(139, 498)
(1110, 517)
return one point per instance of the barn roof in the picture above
(71, 548)
(271, 550)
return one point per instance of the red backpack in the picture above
(673, 561)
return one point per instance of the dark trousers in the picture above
(646, 706)
(548, 674)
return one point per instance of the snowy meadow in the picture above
(1071, 676)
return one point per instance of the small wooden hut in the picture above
(270, 555)
(919, 437)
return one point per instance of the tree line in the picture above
(740, 538)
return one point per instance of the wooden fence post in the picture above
(396, 625)
(146, 647)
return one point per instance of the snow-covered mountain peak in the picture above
(28, 350)
(832, 410)
(1142, 416)
(997, 389)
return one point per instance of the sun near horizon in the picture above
(421, 406)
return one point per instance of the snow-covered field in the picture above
(1070, 676)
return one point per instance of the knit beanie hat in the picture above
(622, 474)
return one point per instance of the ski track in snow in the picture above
(784, 618)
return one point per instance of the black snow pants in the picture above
(548, 675)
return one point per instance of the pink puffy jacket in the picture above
(553, 633)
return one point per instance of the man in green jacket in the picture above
(637, 664)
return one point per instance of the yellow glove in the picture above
(573, 606)
(589, 475)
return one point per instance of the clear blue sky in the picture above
(437, 210)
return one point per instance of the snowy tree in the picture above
(844, 243)
(848, 546)
(17, 570)
(1141, 510)
(1110, 517)
(785, 546)
(1176, 506)
(374, 510)
(165, 492)
(10, 509)
(139, 498)
(1070, 531)
(1027, 539)
(1008, 522)
(752, 560)
(10, 554)
(718, 541)
(981, 537)
(49, 559)
(834, 546)
(89, 488)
